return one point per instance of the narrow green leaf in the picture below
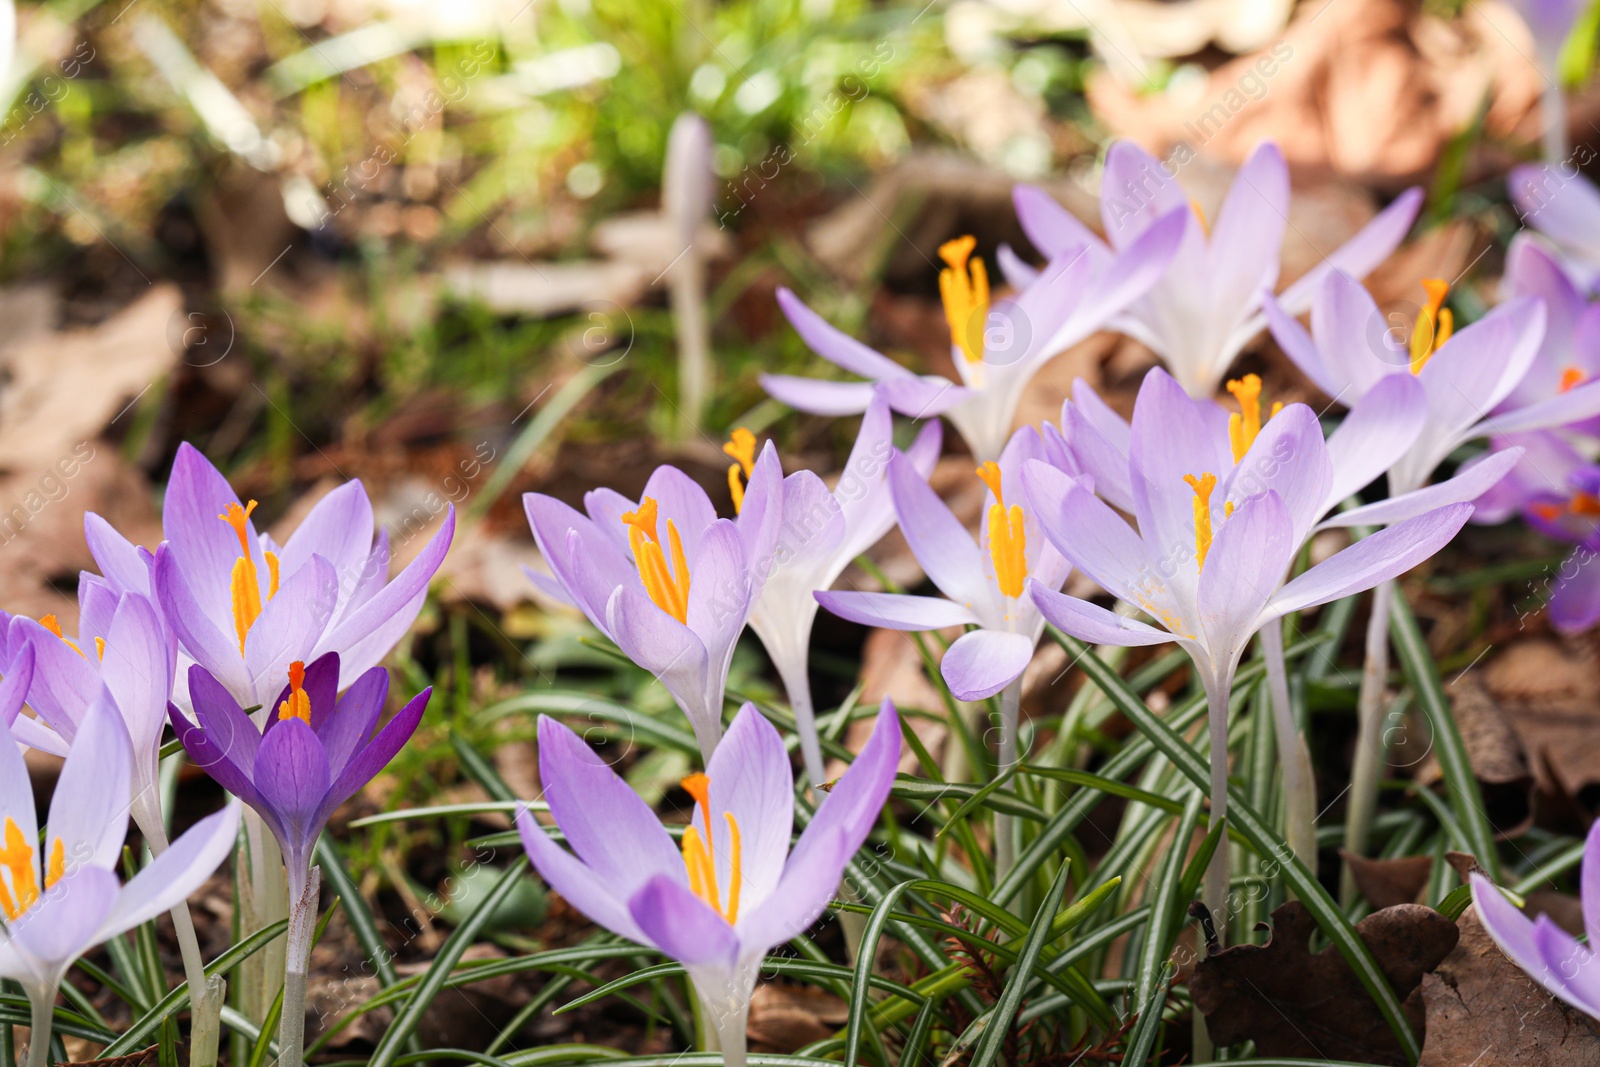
(987, 1054)
(433, 980)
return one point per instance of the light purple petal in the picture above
(945, 549)
(123, 563)
(924, 397)
(1379, 429)
(290, 625)
(896, 611)
(218, 651)
(1565, 207)
(1473, 481)
(1478, 366)
(1569, 970)
(819, 397)
(1589, 885)
(981, 663)
(64, 683)
(342, 731)
(204, 545)
(175, 874)
(682, 502)
(1248, 234)
(1094, 624)
(682, 925)
(368, 760)
(339, 528)
(720, 590)
(604, 901)
(137, 668)
(62, 925)
(751, 779)
(1575, 602)
(834, 345)
(1360, 255)
(611, 829)
(833, 836)
(1050, 227)
(1135, 190)
(368, 634)
(1575, 405)
(89, 811)
(16, 786)
(1249, 557)
(1302, 350)
(1288, 457)
(1386, 554)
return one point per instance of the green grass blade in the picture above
(987, 1054)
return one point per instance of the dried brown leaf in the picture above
(1293, 1002)
(1387, 882)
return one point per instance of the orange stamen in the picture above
(17, 857)
(1434, 324)
(49, 622)
(1008, 536)
(964, 290)
(741, 448)
(1571, 378)
(298, 705)
(1202, 487)
(668, 587)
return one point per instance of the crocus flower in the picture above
(1563, 966)
(984, 579)
(1220, 519)
(1207, 306)
(314, 752)
(120, 652)
(666, 579)
(733, 889)
(997, 346)
(61, 895)
(1466, 374)
(1570, 353)
(1564, 207)
(244, 607)
(822, 532)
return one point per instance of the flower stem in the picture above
(1553, 115)
(1005, 825)
(1294, 758)
(41, 1019)
(1369, 757)
(1219, 684)
(797, 684)
(302, 924)
(686, 293)
(206, 995)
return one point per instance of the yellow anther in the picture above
(58, 864)
(668, 587)
(17, 857)
(964, 288)
(741, 448)
(245, 585)
(1571, 378)
(100, 648)
(699, 859)
(1434, 324)
(1008, 536)
(1244, 427)
(1202, 487)
(50, 623)
(1200, 214)
(298, 705)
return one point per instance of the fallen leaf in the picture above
(786, 1018)
(540, 290)
(1549, 692)
(1388, 882)
(1293, 1002)
(1496, 754)
(1477, 1000)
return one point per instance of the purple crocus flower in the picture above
(244, 607)
(1570, 354)
(61, 896)
(315, 751)
(733, 889)
(666, 579)
(822, 531)
(1467, 375)
(1221, 517)
(984, 579)
(1566, 968)
(120, 651)
(1207, 306)
(1564, 207)
(997, 347)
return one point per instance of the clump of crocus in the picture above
(1220, 520)
(315, 752)
(733, 889)
(60, 895)
(1559, 962)
(1207, 306)
(997, 345)
(822, 531)
(664, 577)
(245, 607)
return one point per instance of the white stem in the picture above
(1005, 827)
(306, 887)
(1554, 117)
(263, 900)
(687, 294)
(1369, 757)
(206, 995)
(1294, 758)
(1216, 880)
(41, 1018)
(797, 683)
